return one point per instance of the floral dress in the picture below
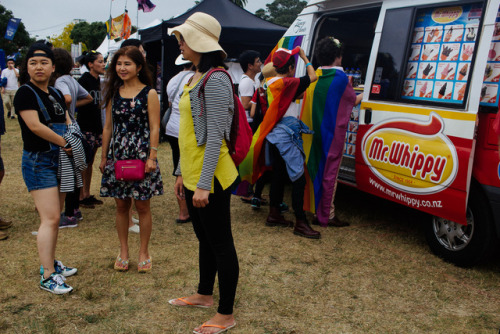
(130, 141)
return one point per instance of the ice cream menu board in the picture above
(442, 46)
(490, 89)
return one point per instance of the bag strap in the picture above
(204, 82)
(40, 104)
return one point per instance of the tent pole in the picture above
(110, 23)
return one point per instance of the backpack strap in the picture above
(40, 103)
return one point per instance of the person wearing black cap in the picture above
(43, 120)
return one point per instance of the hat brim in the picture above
(196, 40)
(182, 61)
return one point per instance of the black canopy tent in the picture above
(241, 30)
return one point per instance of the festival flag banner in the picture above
(119, 27)
(289, 43)
(326, 110)
(145, 5)
(12, 28)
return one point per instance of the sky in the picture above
(44, 18)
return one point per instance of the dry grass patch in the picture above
(376, 276)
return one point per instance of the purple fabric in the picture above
(145, 5)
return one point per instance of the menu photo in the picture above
(459, 91)
(430, 52)
(496, 32)
(415, 52)
(433, 34)
(426, 70)
(471, 32)
(446, 71)
(453, 33)
(409, 88)
(418, 35)
(442, 90)
(489, 93)
(494, 53)
(424, 88)
(492, 72)
(449, 51)
(411, 72)
(463, 71)
(467, 51)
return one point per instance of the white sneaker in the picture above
(134, 228)
(135, 220)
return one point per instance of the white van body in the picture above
(422, 136)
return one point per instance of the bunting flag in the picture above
(119, 27)
(326, 110)
(289, 43)
(145, 5)
(11, 28)
(280, 93)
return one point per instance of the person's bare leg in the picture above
(183, 210)
(46, 200)
(145, 224)
(122, 210)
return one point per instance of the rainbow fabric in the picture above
(326, 109)
(289, 43)
(280, 93)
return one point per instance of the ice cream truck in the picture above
(422, 136)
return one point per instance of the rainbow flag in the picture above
(280, 93)
(289, 43)
(326, 109)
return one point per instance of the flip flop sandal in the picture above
(187, 303)
(221, 328)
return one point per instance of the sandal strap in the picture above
(215, 326)
(184, 300)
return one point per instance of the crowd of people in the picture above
(63, 123)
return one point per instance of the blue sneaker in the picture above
(283, 207)
(61, 269)
(255, 202)
(78, 214)
(55, 284)
(66, 221)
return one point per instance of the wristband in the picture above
(155, 160)
(308, 64)
(154, 148)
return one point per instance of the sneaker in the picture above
(255, 202)
(3, 235)
(92, 200)
(66, 221)
(5, 224)
(85, 203)
(283, 207)
(135, 220)
(55, 284)
(78, 214)
(61, 269)
(134, 228)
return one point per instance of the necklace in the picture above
(132, 103)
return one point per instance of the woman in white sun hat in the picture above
(206, 170)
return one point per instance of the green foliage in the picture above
(21, 39)
(90, 34)
(282, 12)
(64, 39)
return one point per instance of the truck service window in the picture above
(441, 54)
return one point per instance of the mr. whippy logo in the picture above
(412, 156)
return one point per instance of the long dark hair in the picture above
(209, 60)
(114, 82)
(63, 62)
(88, 57)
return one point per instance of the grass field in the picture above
(376, 276)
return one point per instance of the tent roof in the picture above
(229, 15)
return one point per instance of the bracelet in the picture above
(154, 148)
(308, 64)
(155, 160)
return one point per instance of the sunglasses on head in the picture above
(58, 110)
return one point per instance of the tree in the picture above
(21, 39)
(282, 12)
(90, 34)
(241, 3)
(64, 39)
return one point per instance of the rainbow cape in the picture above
(280, 93)
(326, 109)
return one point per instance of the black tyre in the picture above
(463, 245)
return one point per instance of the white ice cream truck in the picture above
(423, 134)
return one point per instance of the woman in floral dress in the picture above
(131, 131)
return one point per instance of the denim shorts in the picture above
(40, 169)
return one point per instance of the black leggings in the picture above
(280, 177)
(72, 202)
(174, 144)
(212, 225)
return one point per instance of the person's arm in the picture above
(359, 97)
(245, 101)
(154, 129)
(68, 100)
(83, 101)
(30, 117)
(106, 137)
(309, 68)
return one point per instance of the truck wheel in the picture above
(463, 245)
